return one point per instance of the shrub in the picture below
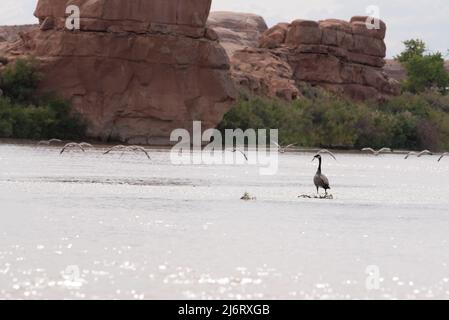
(424, 70)
(19, 80)
(49, 120)
(409, 121)
(25, 115)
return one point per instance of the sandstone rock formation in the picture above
(261, 72)
(237, 30)
(344, 57)
(254, 70)
(137, 69)
(12, 33)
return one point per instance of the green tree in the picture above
(19, 80)
(413, 48)
(425, 71)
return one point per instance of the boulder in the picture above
(263, 73)
(345, 57)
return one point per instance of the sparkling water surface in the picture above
(90, 226)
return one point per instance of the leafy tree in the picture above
(25, 115)
(413, 48)
(19, 80)
(425, 70)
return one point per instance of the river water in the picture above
(90, 226)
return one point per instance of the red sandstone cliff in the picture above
(137, 69)
(344, 57)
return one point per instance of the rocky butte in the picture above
(342, 56)
(136, 70)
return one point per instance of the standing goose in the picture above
(320, 180)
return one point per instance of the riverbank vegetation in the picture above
(26, 115)
(409, 121)
(416, 119)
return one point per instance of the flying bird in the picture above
(443, 155)
(325, 151)
(377, 152)
(235, 150)
(320, 180)
(86, 145)
(282, 149)
(139, 149)
(115, 148)
(419, 154)
(70, 146)
(49, 142)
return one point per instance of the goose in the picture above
(49, 142)
(377, 152)
(71, 145)
(419, 155)
(235, 150)
(425, 153)
(320, 180)
(282, 149)
(115, 148)
(139, 149)
(86, 145)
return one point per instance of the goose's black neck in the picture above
(319, 166)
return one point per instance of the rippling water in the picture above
(91, 226)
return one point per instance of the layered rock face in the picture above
(137, 69)
(255, 70)
(344, 57)
(237, 30)
(264, 73)
(12, 33)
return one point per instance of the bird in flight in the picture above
(139, 149)
(235, 150)
(71, 145)
(49, 142)
(115, 148)
(443, 155)
(128, 148)
(325, 151)
(377, 152)
(282, 149)
(419, 154)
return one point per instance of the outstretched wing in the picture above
(276, 144)
(384, 150)
(114, 148)
(425, 153)
(409, 154)
(327, 152)
(442, 156)
(243, 153)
